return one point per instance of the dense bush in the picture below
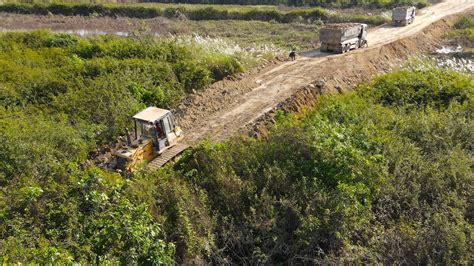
(60, 96)
(420, 89)
(382, 175)
(464, 22)
(103, 80)
(202, 13)
(182, 209)
(52, 212)
(463, 32)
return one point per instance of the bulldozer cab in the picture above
(154, 132)
(157, 124)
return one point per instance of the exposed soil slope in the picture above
(232, 106)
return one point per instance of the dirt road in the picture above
(255, 95)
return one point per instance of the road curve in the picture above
(274, 86)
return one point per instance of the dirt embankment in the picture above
(345, 73)
(245, 104)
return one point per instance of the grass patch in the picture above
(253, 34)
(463, 32)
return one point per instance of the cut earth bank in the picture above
(246, 103)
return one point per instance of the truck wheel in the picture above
(324, 47)
(345, 49)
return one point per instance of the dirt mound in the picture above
(218, 96)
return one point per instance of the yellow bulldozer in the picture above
(155, 140)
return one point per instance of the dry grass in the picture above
(246, 34)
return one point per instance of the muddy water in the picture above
(454, 58)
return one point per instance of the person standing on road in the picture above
(292, 54)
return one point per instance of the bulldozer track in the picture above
(166, 156)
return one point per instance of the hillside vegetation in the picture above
(380, 175)
(463, 32)
(100, 81)
(60, 96)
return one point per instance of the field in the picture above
(273, 28)
(275, 38)
(379, 175)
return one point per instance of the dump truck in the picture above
(343, 37)
(155, 141)
(404, 15)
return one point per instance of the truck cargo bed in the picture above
(343, 37)
(338, 33)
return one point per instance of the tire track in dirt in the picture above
(233, 106)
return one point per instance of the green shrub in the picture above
(420, 89)
(61, 40)
(463, 32)
(208, 13)
(221, 67)
(182, 208)
(83, 218)
(464, 22)
(357, 179)
(192, 75)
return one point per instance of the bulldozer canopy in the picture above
(151, 114)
